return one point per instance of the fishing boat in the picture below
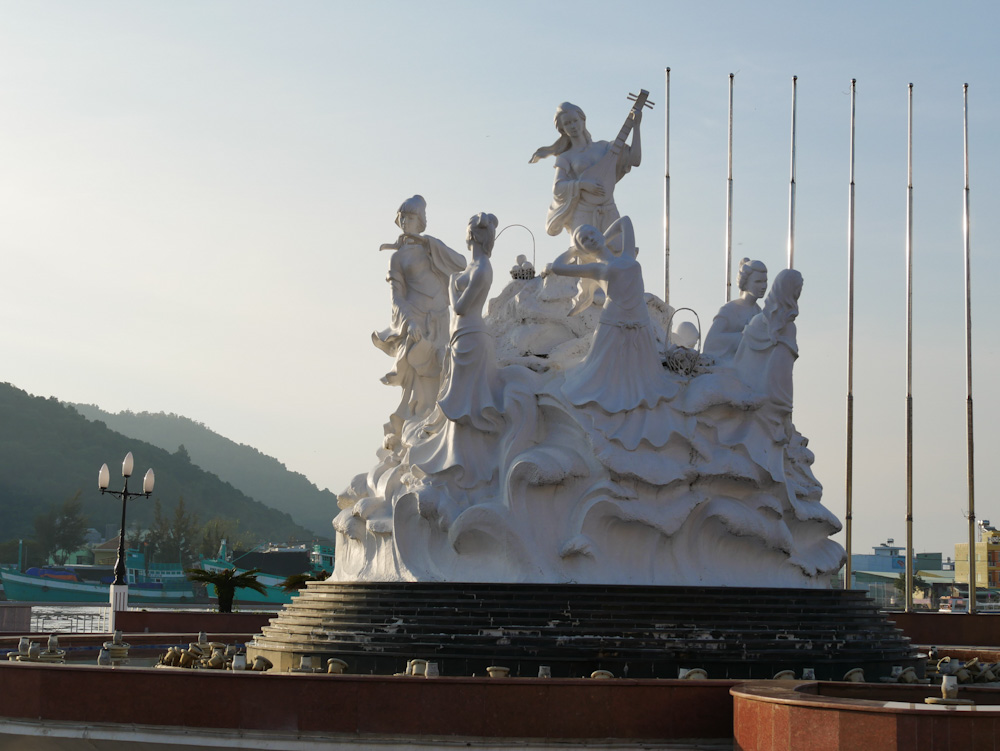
(158, 583)
(275, 563)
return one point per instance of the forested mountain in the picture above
(259, 476)
(49, 452)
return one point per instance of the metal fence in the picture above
(70, 618)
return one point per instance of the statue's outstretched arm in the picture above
(562, 265)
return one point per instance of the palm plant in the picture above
(226, 583)
(296, 582)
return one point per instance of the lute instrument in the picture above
(605, 171)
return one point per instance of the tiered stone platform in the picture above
(632, 631)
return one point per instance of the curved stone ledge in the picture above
(352, 707)
(786, 715)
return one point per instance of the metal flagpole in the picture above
(666, 196)
(850, 351)
(791, 188)
(968, 359)
(729, 201)
(908, 599)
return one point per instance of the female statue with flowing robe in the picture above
(470, 405)
(419, 273)
(622, 374)
(727, 327)
(471, 393)
(768, 349)
(577, 197)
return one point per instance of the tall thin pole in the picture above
(791, 187)
(850, 350)
(666, 194)
(909, 351)
(729, 200)
(968, 358)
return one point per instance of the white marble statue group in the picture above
(569, 435)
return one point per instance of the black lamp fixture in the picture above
(103, 480)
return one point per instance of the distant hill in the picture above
(259, 476)
(49, 452)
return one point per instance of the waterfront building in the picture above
(987, 552)
(878, 573)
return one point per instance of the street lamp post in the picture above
(119, 587)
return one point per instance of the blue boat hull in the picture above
(26, 588)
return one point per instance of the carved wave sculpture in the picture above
(704, 481)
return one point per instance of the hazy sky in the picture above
(192, 197)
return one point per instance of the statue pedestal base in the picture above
(633, 631)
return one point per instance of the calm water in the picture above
(63, 619)
(73, 618)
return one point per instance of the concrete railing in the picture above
(15, 616)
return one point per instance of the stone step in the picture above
(742, 632)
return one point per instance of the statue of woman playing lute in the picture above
(587, 170)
